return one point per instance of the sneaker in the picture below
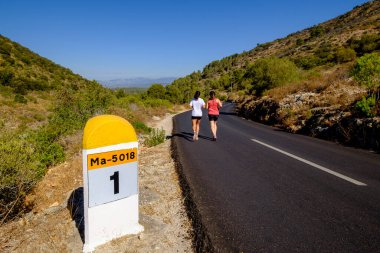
(196, 137)
(213, 139)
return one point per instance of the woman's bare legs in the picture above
(196, 124)
(213, 128)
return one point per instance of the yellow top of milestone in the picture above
(107, 130)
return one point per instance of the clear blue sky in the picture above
(111, 39)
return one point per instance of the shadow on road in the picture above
(75, 205)
(228, 113)
(189, 136)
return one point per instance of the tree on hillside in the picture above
(344, 55)
(367, 71)
(156, 91)
(6, 76)
(366, 44)
(173, 94)
(317, 31)
(268, 73)
(120, 93)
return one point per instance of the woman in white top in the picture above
(197, 104)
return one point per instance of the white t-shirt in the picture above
(197, 107)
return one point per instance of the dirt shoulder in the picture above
(55, 223)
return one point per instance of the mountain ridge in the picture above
(137, 82)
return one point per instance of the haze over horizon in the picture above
(115, 40)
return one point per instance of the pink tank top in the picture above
(213, 107)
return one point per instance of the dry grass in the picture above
(331, 82)
(31, 115)
(333, 90)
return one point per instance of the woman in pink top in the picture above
(213, 106)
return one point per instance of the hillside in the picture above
(312, 50)
(322, 81)
(44, 108)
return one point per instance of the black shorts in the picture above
(213, 117)
(196, 117)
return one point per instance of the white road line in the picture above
(312, 164)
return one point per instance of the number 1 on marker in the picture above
(115, 178)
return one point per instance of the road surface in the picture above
(260, 189)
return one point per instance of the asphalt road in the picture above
(259, 189)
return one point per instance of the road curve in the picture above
(260, 189)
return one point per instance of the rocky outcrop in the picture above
(264, 111)
(308, 113)
(346, 129)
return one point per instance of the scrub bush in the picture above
(26, 156)
(156, 91)
(156, 102)
(317, 31)
(366, 44)
(140, 127)
(20, 170)
(156, 136)
(367, 71)
(344, 55)
(268, 73)
(366, 107)
(307, 62)
(20, 99)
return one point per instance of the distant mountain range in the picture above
(140, 82)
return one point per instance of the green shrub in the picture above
(24, 159)
(47, 148)
(155, 137)
(156, 102)
(307, 62)
(300, 42)
(140, 127)
(120, 93)
(6, 91)
(134, 90)
(6, 76)
(367, 71)
(131, 99)
(325, 53)
(52, 154)
(20, 170)
(156, 91)
(366, 106)
(317, 31)
(366, 44)
(268, 73)
(344, 55)
(20, 99)
(75, 107)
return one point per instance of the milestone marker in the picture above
(110, 179)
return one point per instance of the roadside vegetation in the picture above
(44, 108)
